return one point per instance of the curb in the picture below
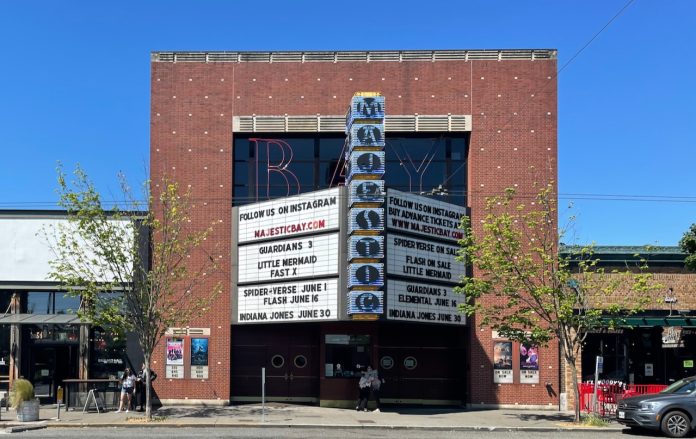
(334, 426)
(21, 428)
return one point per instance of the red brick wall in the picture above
(513, 142)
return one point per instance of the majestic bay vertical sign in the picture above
(288, 259)
(422, 269)
(365, 163)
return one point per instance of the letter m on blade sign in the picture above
(273, 175)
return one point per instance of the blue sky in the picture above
(74, 87)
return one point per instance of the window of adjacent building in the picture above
(51, 302)
(346, 355)
(416, 162)
(5, 349)
(53, 333)
(108, 354)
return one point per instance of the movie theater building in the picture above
(336, 181)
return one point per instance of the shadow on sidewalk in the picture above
(543, 417)
(422, 411)
(232, 411)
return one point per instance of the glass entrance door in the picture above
(50, 365)
(42, 376)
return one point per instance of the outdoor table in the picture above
(100, 385)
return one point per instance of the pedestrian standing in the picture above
(127, 388)
(375, 386)
(141, 385)
(364, 388)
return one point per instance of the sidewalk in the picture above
(280, 415)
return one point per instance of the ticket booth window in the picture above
(346, 354)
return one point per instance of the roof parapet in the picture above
(357, 56)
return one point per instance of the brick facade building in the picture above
(656, 345)
(503, 103)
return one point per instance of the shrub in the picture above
(22, 390)
(594, 420)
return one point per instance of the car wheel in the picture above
(676, 424)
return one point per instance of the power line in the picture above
(471, 194)
(554, 77)
(594, 37)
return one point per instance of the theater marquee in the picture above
(288, 259)
(288, 302)
(314, 212)
(424, 216)
(422, 267)
(423, 259)
(310, 256)
(421, 301)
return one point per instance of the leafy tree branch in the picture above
(141, 269)
(523, 289)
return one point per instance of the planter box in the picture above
(28, 411)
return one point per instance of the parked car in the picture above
(672, 411)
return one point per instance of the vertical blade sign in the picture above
(366, 165)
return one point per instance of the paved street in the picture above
(305, 433)
(303, 421)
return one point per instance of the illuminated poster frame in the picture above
(502, 362)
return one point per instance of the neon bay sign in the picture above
(273, 167)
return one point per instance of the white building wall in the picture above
(25, 252)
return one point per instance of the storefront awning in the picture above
(659, 321)
(41, 319)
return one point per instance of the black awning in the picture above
(652, 321)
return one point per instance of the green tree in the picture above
(522, 289)
(132, 268)
(688, 246)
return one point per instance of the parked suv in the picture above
(673, 410)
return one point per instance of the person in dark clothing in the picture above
(140, 385)
(365, 388)
(375, 386)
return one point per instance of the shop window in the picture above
(53, 333)
(51, 302)
(346, 354)
(108, 353)
(65, 304)
(5, 299)
(39, 303)
(4, 355)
